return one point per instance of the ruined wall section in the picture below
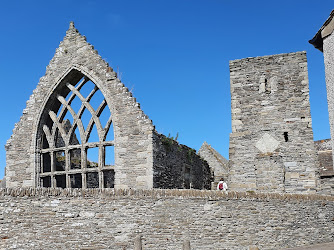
(132, 128)
(326, 185)
(324, 149)
(105, 219)
(218, 163)
(326, 181)
(176, 166)
(271, 144)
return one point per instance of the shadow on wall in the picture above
(176, 166)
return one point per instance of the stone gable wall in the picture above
(271, 144)
(132, 128)
(217, 163)
(109, 219)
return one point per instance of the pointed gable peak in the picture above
(205, 145)
(72, 31)
(71, 25)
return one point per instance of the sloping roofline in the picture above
(325, 30)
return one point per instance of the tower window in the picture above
(286, 137)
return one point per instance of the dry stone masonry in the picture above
(164, 219)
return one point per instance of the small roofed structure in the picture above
(325, 30)
(324, 41)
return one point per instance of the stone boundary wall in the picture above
(158, 193)
(165, 219)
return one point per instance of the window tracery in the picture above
(76, 145)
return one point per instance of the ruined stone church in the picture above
(271, 145)
(50, 144)
(153, 193)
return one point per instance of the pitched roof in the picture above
(325, 30)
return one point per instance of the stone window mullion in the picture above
(101, 165)
(38, 179)
(67, 166)
(84, 179)
(68, 181)
(41, 168)
(84, 166)
(53, 179)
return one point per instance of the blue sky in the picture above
(173, 55)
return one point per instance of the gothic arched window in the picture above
(76, 142)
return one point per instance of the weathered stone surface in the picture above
(267, 144)
(166, 219)
(178, 166)
(324, 148)
(217, 163)
(326, 182)
(271, 145)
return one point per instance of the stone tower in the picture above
(271, 144)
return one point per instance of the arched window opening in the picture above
(76, 138)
